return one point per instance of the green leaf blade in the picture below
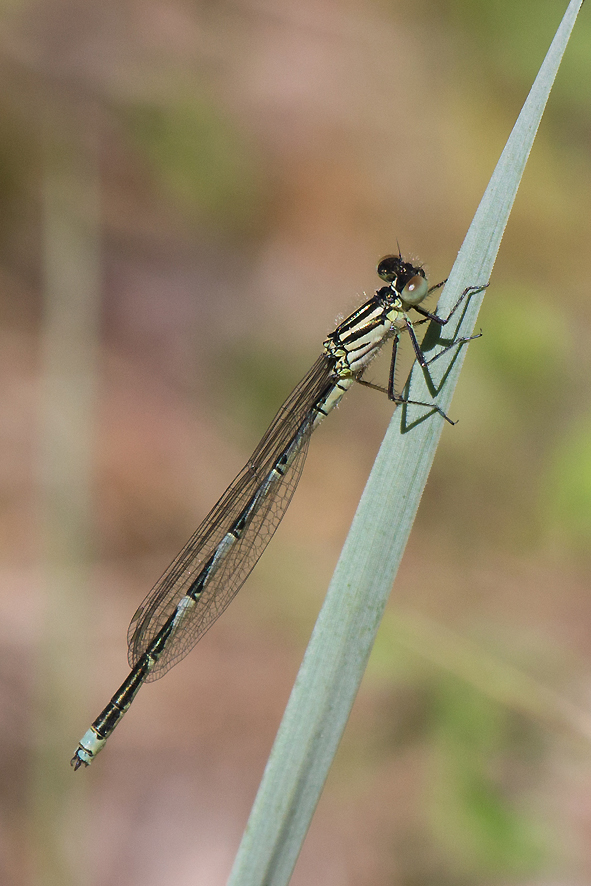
(342, 639)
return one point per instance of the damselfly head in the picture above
(409, 280)
(393, 268)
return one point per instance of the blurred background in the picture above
(191, 193)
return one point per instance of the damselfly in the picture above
(217, 559)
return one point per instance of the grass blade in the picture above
(336, 657)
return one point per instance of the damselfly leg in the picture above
(441, 322)
(409, 326)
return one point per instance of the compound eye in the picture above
(415, 290)
(389, 267)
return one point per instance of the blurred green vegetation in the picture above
(19, 168)
(474, 786)
(479, 719)
(565, 488)
(202, 160)
(507, 42)
(526, 346)
(261, 378)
